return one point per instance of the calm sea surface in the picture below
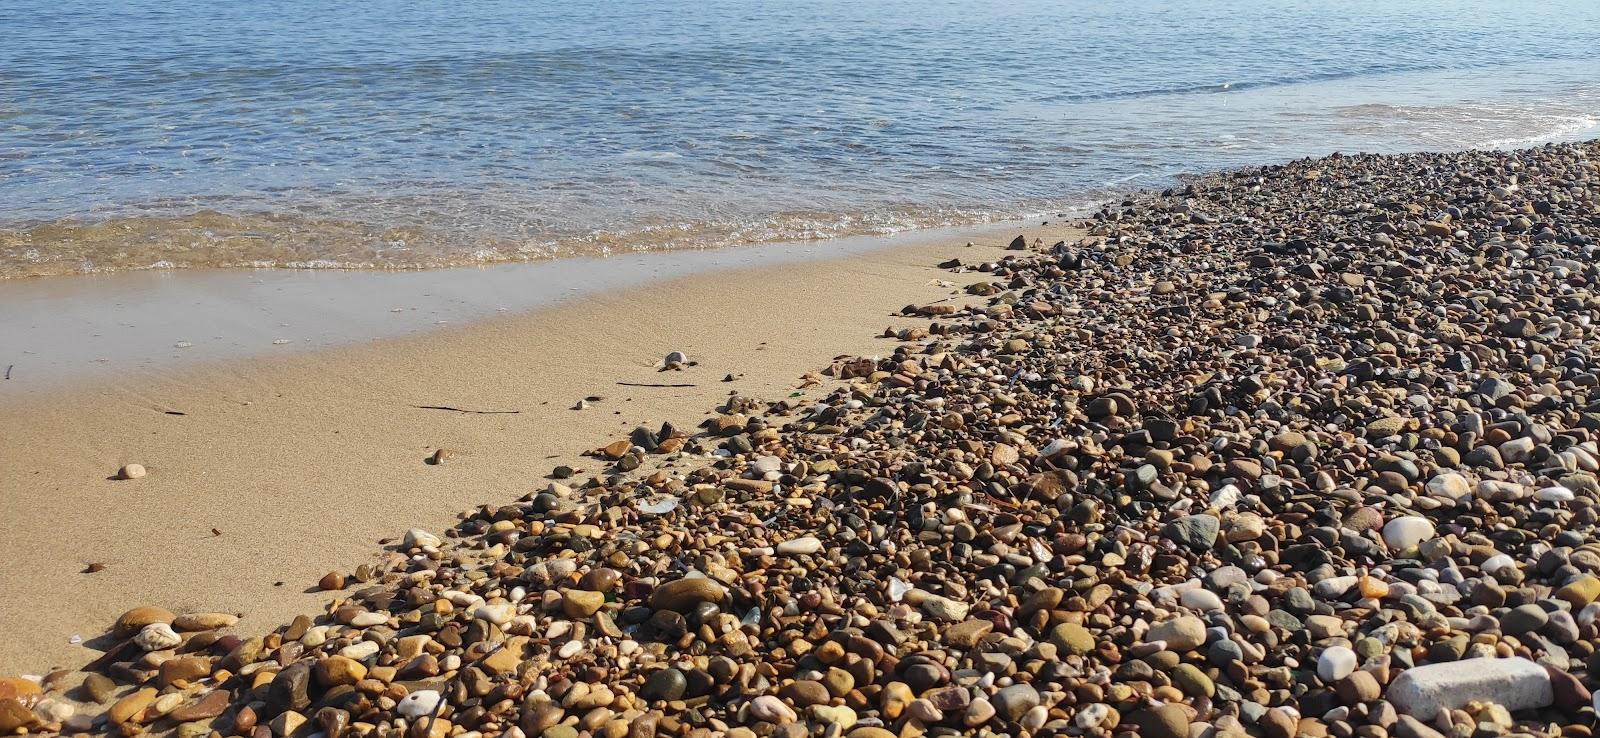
(381, 133)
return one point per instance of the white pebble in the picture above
(157, 637)
(418, 537)
(1225, 497)
(1200, 599)
(499, 613)
(1554, 494)
(1335, 663)
(798, 546)
(419, 704)
(359, 651)
(1496, 563)
(1404, 533)
(1092, 715)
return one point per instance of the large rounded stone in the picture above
(681, 595)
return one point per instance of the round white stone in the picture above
(1335, 663)
(1200, 599)
(1496, 563)
(1554, 494)
(418, 704)
(1405, 533)
(801, 545)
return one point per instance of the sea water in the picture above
(398, 134)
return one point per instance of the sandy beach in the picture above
(269, 471)
(1303, 450)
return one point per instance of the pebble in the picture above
(419, 538)
(1335, 663)
(682, 594)
(1405, 533)
(132, 471)
(1164, 721)
(1016, 700)
(1200, 599)
(1515, 683)
(419, 703)
(157, 637)
(1183, 633)
(578, 603)
(1071, 638)
(769, 709)
(1333, 416)
(800, 546)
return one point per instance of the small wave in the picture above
(210, 239)
(1480, 126)
(1568, 129)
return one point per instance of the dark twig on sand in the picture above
(470, 412)
(8, 370)
(648, 384)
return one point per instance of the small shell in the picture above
(157, 637)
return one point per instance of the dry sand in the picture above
(281, 469)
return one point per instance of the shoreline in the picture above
(303, 461)
(93, 328)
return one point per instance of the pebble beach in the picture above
(1307, 449)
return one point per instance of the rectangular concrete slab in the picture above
(1516, 683)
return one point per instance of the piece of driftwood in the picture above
(469, 412)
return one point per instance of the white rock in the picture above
(131, 471)
(1405, 533)
(360, 650)
(369, 619)
(54, 710)
(944, 608)
(1092, 715)
(1450, 486)
(419, 704)
(1200, 599)
(675, 358)
(1554, 494)
(498, 613)
(1334, 587)
(570, 649)
(1225, 497)
(157, 637)
(418, 537)
(1498, 491)
(1496, 563)
(462, 599)
(660, 507)
(1335, 663)
(1515, 683)
(801, 545)
(1183, 633)
(769, 709)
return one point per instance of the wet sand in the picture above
(268, 470)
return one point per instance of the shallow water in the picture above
(140, 133)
